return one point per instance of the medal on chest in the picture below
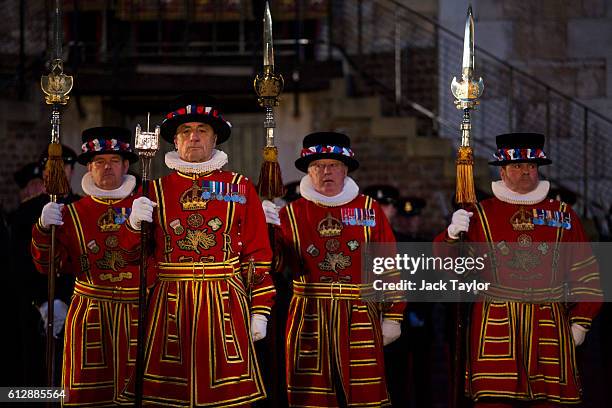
(358, 216)
(555, 219)
(221, 191)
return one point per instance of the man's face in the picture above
(327, 176)
(521, 178)
(107, 170)
(195, 141)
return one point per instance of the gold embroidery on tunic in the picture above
(191, 199)
(196, 239)
(106, 221)
(118, 278)
(335, 262)
(521, 220)
(329, 227)
(112, 241)
(524, 260)
(195, 220)
(112, 260)
(332, 245)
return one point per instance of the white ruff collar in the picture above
(350, 190)
(126, 188)
(218, 160)
(506, 195)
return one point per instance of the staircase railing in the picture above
(398, 46)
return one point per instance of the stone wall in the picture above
(564, 43)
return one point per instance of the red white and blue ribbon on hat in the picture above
(105, 145)
(515, 154)
(344, 151)
(197, 110)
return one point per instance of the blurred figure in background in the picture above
(407, 360)
(30, 286)
(29, 180)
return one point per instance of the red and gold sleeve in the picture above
(582, 275)
(41, 245)
(395, 306)
(256, 255)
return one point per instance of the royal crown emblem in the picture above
(522, 220)
(192, 200)
(329, 227)
(107, 221)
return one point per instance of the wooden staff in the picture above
(146, 145)
(56, 86)
(268, 87)
(467, 91)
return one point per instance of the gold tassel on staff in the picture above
(270, 179)
(55, 176)
(465, 176)
(268, 87)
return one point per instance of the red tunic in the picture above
(520, 350)
(199, 351)
(330, 331)
(102, 321)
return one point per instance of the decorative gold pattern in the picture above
(112, 241)
(195, 220)
(329, 227)
(524, 260)
(335, 262)
(191, 199)
(332, 245)
(56, 85)
(112, 260)
(106, 222)
(521, 220)
(196, 239)
(524, 241)
(118, 278)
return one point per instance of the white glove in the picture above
(259, 324)
(51, 215)
(59, 315)
(142, 210)
(271, 211)
(459, 223)
(391, 330)
(578, 333)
